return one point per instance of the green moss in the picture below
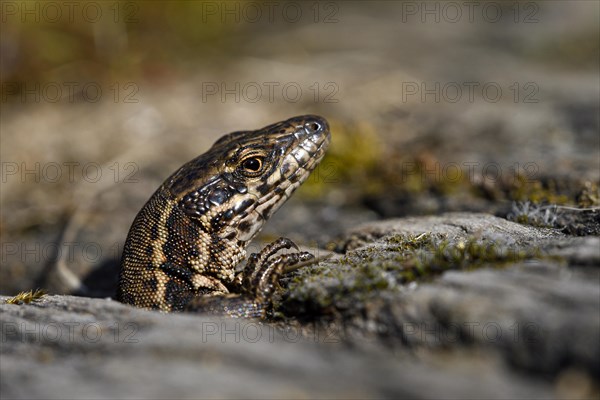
(401, 259)
(536, 191)
(425, 256)
(410, 242)
(468, 255)
(589, 196)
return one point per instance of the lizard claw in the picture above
(262, 272)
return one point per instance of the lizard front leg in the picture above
(257, 282)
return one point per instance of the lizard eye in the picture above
(252, 166)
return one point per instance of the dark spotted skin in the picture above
(184, 245)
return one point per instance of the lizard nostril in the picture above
(312, 127)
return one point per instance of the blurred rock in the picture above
(69, 347)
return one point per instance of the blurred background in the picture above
(434, 107)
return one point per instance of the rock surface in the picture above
(68, 347)
(527, 329)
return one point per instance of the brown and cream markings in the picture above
(184, 245)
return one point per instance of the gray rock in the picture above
(69, 347)
(454, 226)
(498, 310)
(532, 295)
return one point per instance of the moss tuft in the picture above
(26, 297)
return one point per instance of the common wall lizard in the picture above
(184, 245)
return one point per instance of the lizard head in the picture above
(233, 188)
